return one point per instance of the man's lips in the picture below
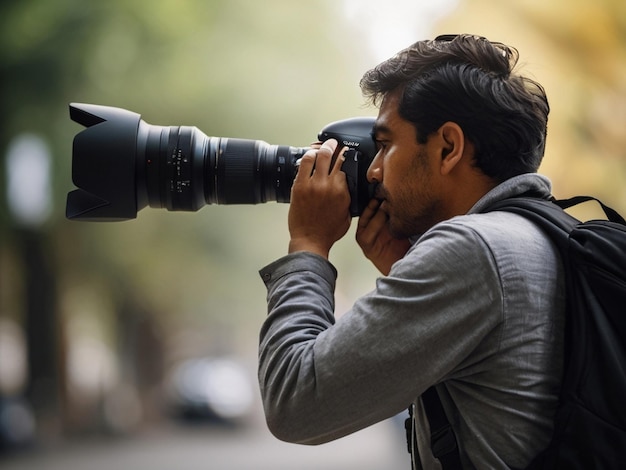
(380, 195)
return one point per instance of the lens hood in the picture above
(103, 164)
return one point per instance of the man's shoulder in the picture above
(462, 241)
(497, 225)
(484, 229)
(484, 236)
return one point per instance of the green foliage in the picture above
(259, 70)
(275, 70)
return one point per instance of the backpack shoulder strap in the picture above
(611, 214)
(547, 214)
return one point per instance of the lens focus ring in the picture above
(237, 170)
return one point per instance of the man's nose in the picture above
(375, 170)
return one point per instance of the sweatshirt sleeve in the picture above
(321, 379)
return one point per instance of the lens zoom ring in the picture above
(237, 182)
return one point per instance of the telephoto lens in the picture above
(122, 164)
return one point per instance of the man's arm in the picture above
(322, 379)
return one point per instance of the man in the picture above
(471, 302)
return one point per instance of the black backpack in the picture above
(590, 425)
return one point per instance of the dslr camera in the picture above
(121, 164)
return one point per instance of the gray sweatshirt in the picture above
(475, 307)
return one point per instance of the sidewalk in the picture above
(380, 447)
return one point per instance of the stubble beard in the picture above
(411, 213)
(408, 223)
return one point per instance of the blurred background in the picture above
(134, 343)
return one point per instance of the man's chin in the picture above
(398, 230)
(394, 230)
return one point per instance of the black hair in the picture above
(469, 80)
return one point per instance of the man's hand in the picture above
(376, 241)
(319, 208)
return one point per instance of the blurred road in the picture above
(177, 447)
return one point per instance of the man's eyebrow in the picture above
(379, 129)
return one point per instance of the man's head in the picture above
(469, 81)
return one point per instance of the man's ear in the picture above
(453, 146)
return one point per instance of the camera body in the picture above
(121, 164)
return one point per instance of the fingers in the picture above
(325, 156)
(368, 214)
(337, 166)
(319, 158)
(371, 224)
(307, 163)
